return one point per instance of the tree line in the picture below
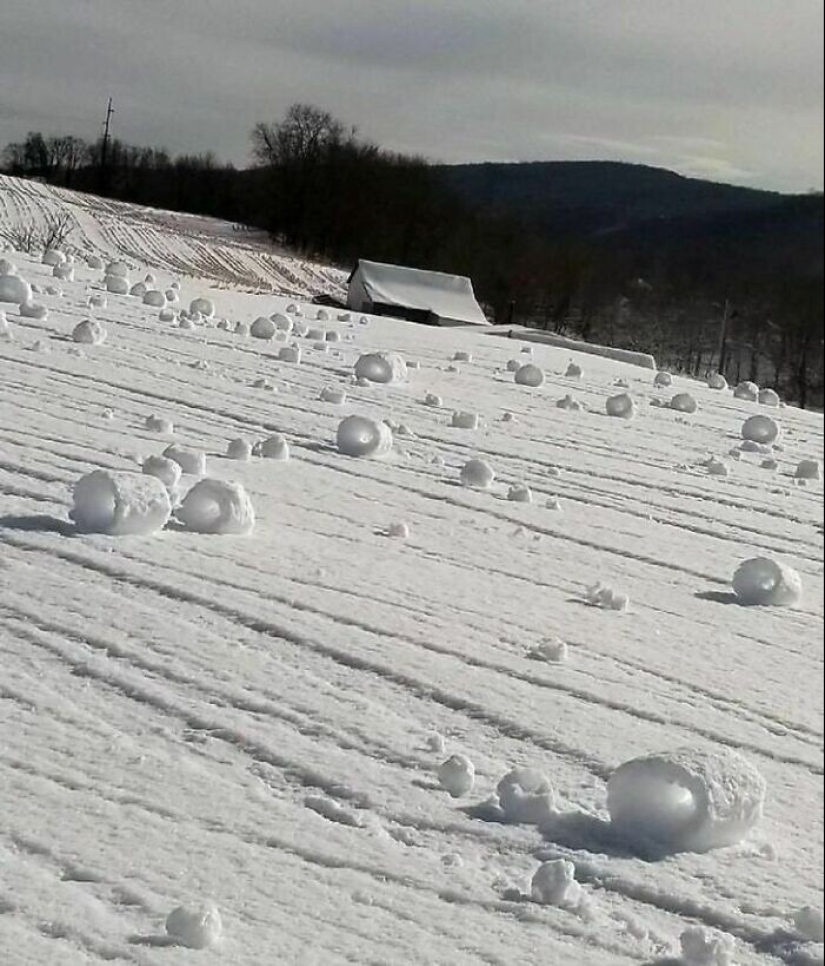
(324, 191)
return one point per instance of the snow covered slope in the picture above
(259, 721)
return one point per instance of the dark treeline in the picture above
(663, 287)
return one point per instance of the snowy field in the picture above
(258, 721)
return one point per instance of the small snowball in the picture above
(335, 396)
(508, 417)
(54, 290)
(622, 384)
(52, 257)
(163, 469)
(748, 391)
(202, 306)
(513, 365)
(117, 269)
(116, 284)
(94, 262)
(457, 775)
(154, 298)
(171, 295)
(622, 406)
(290, 353)
(717, 381)
(239, 449)
(554, 884)
(213, 506)
(120, 503)
(281, 322)
(527, 350)
(464, 420)
(14, 289)
(263, 328)
(605, 597)
(809, 924)
(553, 651)
(702, 948)
(138, 290)
(436, 743)
(166, 315)
(292, 309)
(477, 474)
(433, 401)
(159, 424)
(684, 402)
(461, 356)
(663, 380)
(520, 493)
(761, 429)
(7, 267)
(530, 375)
(64, 271)
(320, 346)
(363, 437)
(769, 464)
(34, 310)
(263, 383)
(399, 530)
(190, 461)
(809, 470)
(241, 329)
(274, 447)
(689, 800)
(333, 337)
(195, 928)
(322, 315)
(574, 371)
(381, 367)
(768, 397)
(89, 332)
(765, 582)
(526, 797)
(569, 403)
(98, 302)
(553, 504)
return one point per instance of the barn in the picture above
(431, 298)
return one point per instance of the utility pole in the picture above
(104, 148)
(723, 337)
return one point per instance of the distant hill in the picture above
(644, 206)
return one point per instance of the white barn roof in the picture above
(445, 299)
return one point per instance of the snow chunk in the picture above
(766, 582)
(239, 449)
(464, 420)
(52, 257)
(399, 530)
(520, 493)
(159, 424)
(34, 310)
(574, 371)
(89, 332)
(95, 262)
(809, 470)
(684, 402)
(274, 447)
(290, 353)
(768, 397)
(172, 295)
(138, 290)
(14, 289)
(202, 306)
(195, 928)
(663, 380)
(120, 503)
(263, 328)
(526, 797)
(433, 401)
(761, 429)
(702, 948)
(690, 800)
(809, 924)
(381, 367)
(477, 474)
(554, 884)
(461, 356)
(335, 396)
(155, 298)
(747, 390)
(117, 270)
(64, 271)
(530, 375)
(361, 436)
(212, 506)
(570, 403)
(621, 406)
(605, 597)
(190, 461)
(552, 651)
(281, 322)
(457, 775)
(98, 302)
(436, 743)
(116, 284)
(716, 467)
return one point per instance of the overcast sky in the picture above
(723, 89)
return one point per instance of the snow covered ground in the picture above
(259, 721)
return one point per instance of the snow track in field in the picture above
(248, 720)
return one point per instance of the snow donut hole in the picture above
(216, 507)
(765, 582)
(622, 406)
(761, 429)
(457, 775)
(530, 375)
(195, 928)
(690, 801)
(381, 367)
(360, 436)
(119, 504)
(477, 474)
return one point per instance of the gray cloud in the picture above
(729, 90)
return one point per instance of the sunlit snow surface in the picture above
(247, 722)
